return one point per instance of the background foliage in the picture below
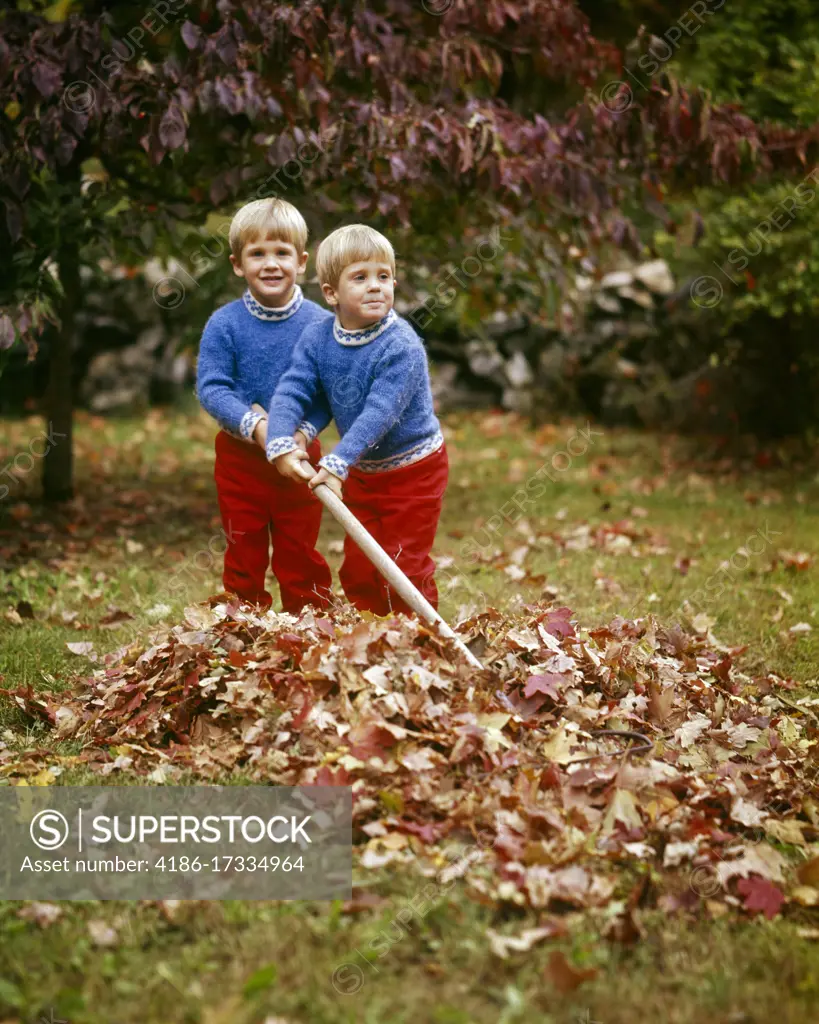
(443, 129)
(764, 57)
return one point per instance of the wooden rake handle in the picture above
(387, 567)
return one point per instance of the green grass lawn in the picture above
(625, 523)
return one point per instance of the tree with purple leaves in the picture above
(119, 122)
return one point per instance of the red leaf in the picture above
(307, 707)
(428, 832)
(332, 777)
(722, 670)
(293, 644)
(368, 741)
(550, 683)
(761, 895)
(557, 622)
(131, 705)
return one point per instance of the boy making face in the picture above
(363, 295)
(372, 368)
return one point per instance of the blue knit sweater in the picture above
(376, 381)
(245, 349)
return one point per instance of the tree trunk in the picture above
(58, 465)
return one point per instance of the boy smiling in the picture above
(372, 368)
(246, 347)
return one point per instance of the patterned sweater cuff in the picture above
(279, 446)
(248, 424)
(333, 464)
(308, 430)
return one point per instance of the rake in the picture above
(397, 579)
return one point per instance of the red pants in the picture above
(259, 505)
(401, 509)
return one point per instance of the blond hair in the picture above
(351, 244)
(273, 219)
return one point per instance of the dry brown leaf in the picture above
(808, 873)
(564, 975)
(788, 831)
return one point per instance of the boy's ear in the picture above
(302, 263)
(329, 294)
(237, 266)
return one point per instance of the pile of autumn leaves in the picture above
(498, 777)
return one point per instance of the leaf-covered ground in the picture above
(514, 859)
(516, 759)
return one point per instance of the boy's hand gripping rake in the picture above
(386, 566)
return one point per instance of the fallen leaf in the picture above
(788, 831)
(525, 639)
(102, 934)
(702, 623)
(808, 873)
(558, 747)
(623, 808)
(494, 724)
(805, 896)
(503, 945)
(158, 611)
(691, 730)
(84, 648)
(676, 853)
(761, 896)
(43, 914)
(747, 813)
(742, 734)
(661, 701)
(114, 617)
(796, 560)
(564, 975)
(549, 683)
(760, 860)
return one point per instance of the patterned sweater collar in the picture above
(363, 335)
(261, 312)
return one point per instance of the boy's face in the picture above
(270, 269)
(364, 293)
